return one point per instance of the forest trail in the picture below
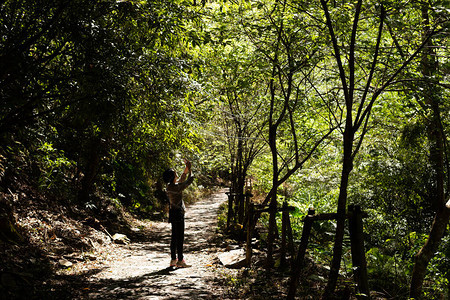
(141, 269)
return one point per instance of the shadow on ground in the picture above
(141, 269)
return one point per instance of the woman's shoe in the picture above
(173, 263)
(182, 264)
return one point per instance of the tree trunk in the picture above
(272, 228)
(90, 171)
(241, 196)
(347, 167)
(436, 138)
(273, 200)
(428, 250)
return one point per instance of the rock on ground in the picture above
(233, 259)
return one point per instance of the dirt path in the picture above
(140, 270)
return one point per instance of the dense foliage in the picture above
(94, 93)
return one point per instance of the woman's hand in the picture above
(188, 164)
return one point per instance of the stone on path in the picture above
(119, 238)
(233, 259)
(65, 263)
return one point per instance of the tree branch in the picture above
(352, 50)
(372, 69)
(337, 54)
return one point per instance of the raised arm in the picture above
(187, 170)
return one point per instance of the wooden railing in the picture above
(354, 215)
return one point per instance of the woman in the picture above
(176, 211)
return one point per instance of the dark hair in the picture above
(168, 175)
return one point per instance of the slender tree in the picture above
(290, 60)
(362, 81)
(430, 99)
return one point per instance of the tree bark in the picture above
(428, 250)
(341, 212)
(437, 159)
(91, 171)
(273, 200)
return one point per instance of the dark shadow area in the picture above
(148, 285)
(47, 287)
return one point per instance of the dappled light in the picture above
(245, 149)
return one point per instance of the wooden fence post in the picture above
(299, 261)
(272, 234)
(358, 251)
(240, 200)
(230, 207)
(290, 236)
(248, 252)
(248, 195)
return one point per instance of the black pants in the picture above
(176, 244)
